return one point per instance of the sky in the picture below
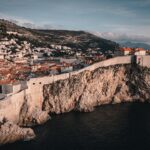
(112, 19)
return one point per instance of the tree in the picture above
(13, 50)
(45, 55)
(3, 29)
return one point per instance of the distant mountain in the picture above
(135, 45)
(74, 39)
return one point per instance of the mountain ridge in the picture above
(135, 44)
(74, 39)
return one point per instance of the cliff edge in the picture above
(108, 85)
(79, 92)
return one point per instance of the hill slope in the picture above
(74, 39)
(135, 45)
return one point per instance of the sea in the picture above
(109, 127)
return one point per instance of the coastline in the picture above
(80, 92)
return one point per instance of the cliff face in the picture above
(73, 39)
(79, 92)
(115, 84)
(31, 115)
(9, 132)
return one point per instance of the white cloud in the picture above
(28, 23)
(121, 37)
(117, 32)
(17, 20)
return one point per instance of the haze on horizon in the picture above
(112, 19)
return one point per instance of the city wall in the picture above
(35, 85)
(10, 106)
(143, 61)
(34, 92)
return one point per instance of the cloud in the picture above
(122, 37)
(28, 23)
(141, 3)
(16, 20)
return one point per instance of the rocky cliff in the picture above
(73, 39)
(10, 132)
(80, 92)
(110, 85)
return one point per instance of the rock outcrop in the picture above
(10, 132)
(32, 117)
(114, 84)
(80, 92)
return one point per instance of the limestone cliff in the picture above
(9, 132)
(80, 92)
(115, 84)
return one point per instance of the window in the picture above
(1, 89)
(33, 83)
(40, 83)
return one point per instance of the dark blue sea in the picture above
(109, 127)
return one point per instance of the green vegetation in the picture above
(2, 31)
(76, 40)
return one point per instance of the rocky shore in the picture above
(10, 132)
(108, 85)
(81, 92)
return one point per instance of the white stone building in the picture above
(9, 89)
(140, 53)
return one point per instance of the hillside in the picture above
(80, 92)
(13, 27)
(135, 45)
(74, 39)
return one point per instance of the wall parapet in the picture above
(143, 61)
(106, 63)
(35, 86)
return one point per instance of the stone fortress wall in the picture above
(35, 85)
(34, 92)
(143, 61)
(10, 107)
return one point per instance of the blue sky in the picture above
(105, 16)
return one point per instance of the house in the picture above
(78, 54)
(148, 52)
(53, 46)
(58, 47)
(2, 56)
(35, 56)
(66, 48)
(68, 60)
(55, 70)
(66, 69)
(21, 60)
(8, 88)
(126, 50)
(140, 52)
(20, 55)
(118, 52)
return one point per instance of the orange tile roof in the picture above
(126, 49)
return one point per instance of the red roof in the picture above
(126, 49)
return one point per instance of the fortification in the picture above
(34, 92)
(143, 61)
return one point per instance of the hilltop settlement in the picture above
(44, 72)
(30, 53)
